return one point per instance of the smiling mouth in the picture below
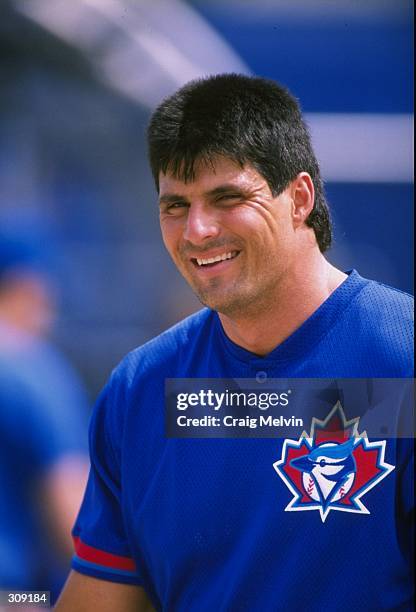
(210, 262)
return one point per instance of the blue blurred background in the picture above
(79, 80)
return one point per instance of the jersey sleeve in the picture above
(100, 541)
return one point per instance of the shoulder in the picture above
(386, 303)
(162, 353)
(142, 372)
(383, 322)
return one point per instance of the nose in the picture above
(201, 225)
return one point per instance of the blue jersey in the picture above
(206, 524)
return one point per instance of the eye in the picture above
(228, 198)
(175, 208)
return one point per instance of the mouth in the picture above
(216, 261)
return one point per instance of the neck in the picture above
(298, 295)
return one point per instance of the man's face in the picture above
(229, 237)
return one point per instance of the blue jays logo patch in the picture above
(333, 467)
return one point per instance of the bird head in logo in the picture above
(330, 464)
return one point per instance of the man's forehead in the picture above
(209, 175)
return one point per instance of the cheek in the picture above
(243, 219)
(171, 233)
(254, 224)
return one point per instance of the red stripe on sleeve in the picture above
(94, 555)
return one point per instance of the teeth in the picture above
(210, 260)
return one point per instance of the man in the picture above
(43, 412)
(201, 524)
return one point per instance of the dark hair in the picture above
(246, 119)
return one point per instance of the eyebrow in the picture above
(227, 188)
(169, 198)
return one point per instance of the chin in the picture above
(230, 299)
(215, 302)
(224, 304)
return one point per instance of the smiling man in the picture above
(194, 525)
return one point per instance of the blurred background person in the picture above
(43, 413)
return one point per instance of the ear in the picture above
(303, 198)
